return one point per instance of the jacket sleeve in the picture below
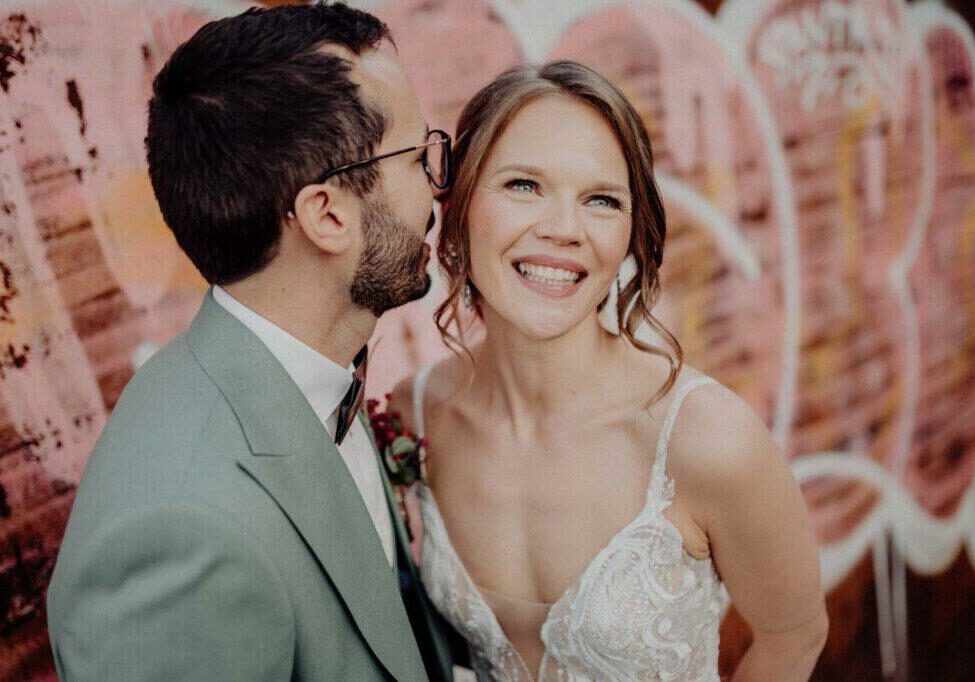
(170, 593)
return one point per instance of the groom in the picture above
(234, 521)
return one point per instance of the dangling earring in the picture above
(608, 316)
(467, 296)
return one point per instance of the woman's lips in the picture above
(550, 290)
(552, 262)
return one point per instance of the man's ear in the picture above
(329, 215)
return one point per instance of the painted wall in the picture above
(817, 159)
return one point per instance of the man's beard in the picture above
(391, 270)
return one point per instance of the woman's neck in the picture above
(528, 379)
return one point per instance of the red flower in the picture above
(402, 453)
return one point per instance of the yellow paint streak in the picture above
(961, 144)
(693, 311)
(846, 168)
(142, 250)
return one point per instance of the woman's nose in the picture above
(561, 224)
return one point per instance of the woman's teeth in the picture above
(546, 275)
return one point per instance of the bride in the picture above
(587, 493)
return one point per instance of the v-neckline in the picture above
(662, 502)
(664, 498)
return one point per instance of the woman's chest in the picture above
(545, 508)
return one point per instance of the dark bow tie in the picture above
(349, 407)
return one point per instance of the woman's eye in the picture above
(604, 201)
(521, 185)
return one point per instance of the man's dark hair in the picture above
(247, 112)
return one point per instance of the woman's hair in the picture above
(483, 121)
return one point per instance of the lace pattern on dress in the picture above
(643, 609)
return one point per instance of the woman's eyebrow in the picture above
(609, 187)
(523, 168)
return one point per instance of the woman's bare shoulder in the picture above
(718, 440)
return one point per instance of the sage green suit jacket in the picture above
(218, 535)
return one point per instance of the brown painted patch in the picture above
(78, 104)
(8, 292)
(19, 38)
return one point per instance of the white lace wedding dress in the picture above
(643, 609)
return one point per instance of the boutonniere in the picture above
(402, 453)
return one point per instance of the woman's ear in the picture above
(329, 215)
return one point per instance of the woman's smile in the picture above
(549, 276)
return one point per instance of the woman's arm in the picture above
(759, 530)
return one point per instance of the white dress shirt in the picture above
(324, 383)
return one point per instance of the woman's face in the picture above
(550, 218)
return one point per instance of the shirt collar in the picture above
(322, 381)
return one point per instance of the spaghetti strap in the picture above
(660, 461)
(419, 383)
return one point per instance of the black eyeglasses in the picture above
(435, 159)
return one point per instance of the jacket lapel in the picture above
(399, 528)
(293, 458)
(437, 657)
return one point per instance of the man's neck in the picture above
(327, 321)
